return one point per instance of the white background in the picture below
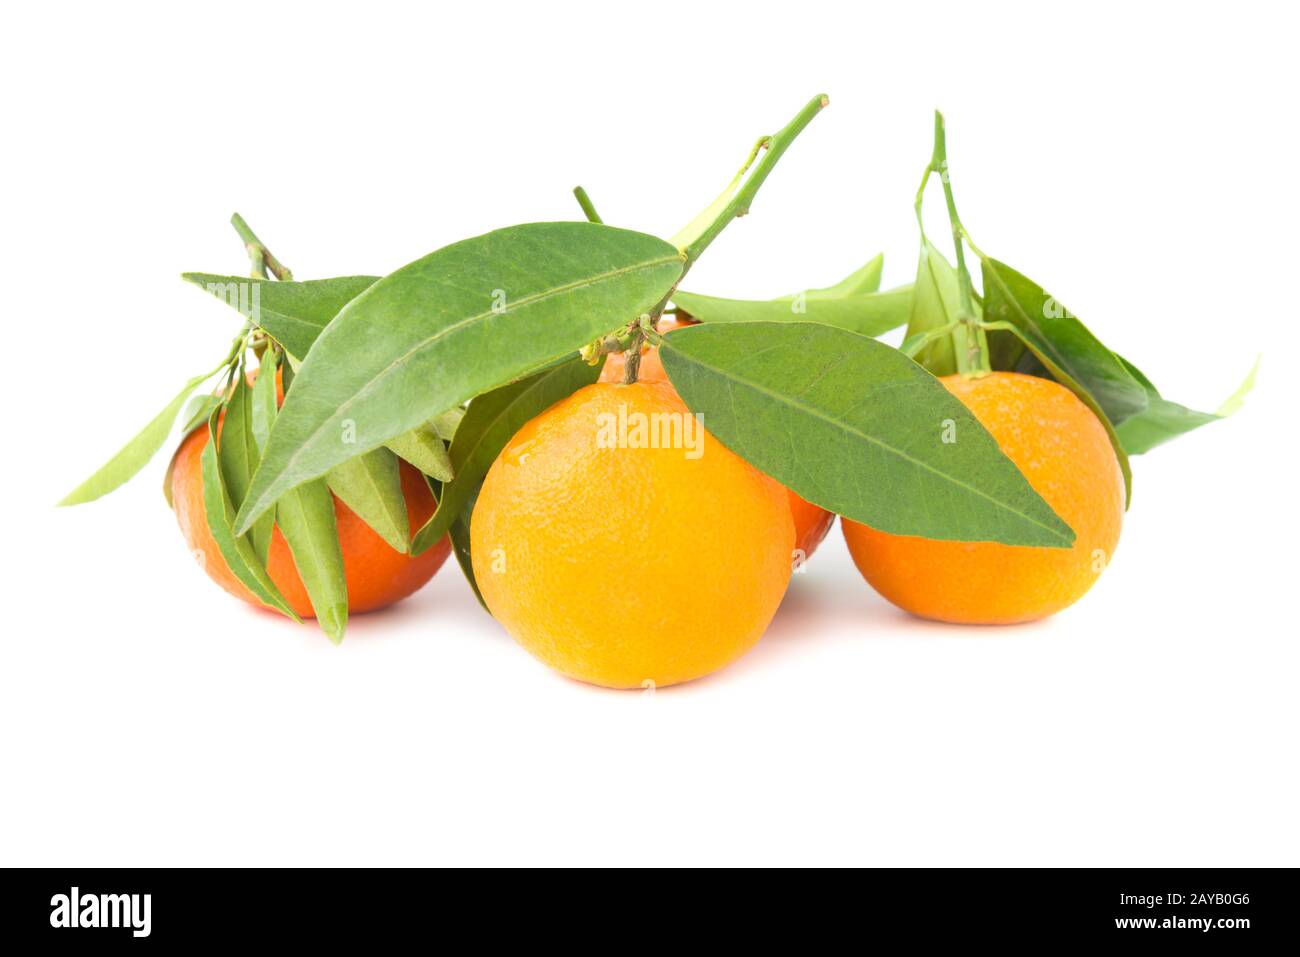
(1137, 160)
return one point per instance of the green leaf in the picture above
(135, 455)
(1163, 420)
(197, 411)
(857, 428)
(447, 327)
(371, 485)
(853, 303)
(195, 417)
(492, 420)
(935, 304)
(864, 279)
(292, 313)
(263, 404)
(460, 547)
(1053, 371)
(446, 423)
(423, 447)
(1054, 331)
(238, 552)
(307, 521)
(870, 314)
(239, 455)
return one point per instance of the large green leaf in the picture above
(135, 455)
(852, 303)
(306, 518)
(936, 301)
(1042, 320)
(1163, 420)
(292, 313)
(237, 552)
(492, 420)
(857, 428)
(447, 327)
(371, 485)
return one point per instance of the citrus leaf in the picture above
(864, 279)
(852, 303)
(263, 404)
(1054, 331)
(492, 420)
(460, 547)
(237, 552)
(195, 417)
(1053, 371)
(447, 327)
(857, 428)
(306, 518)
(1163, 420)
(936, 301)
(238, 457)
(446, 423)
(371, 485)
(423, 447)
(135, 455)
(870, 314)
(292, 313)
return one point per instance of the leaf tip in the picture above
(334, 621)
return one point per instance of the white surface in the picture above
(1136, 162)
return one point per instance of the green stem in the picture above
(970, 343)
(588, 207)
(740, 202)
(260, 256)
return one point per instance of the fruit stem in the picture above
(261, 257)
(970, 343)
(736, 199)
(632, 362)
(588, 207)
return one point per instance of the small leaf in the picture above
(460, 547)
(292, 313)
(864, 279)
(852, 303)
(446, 423)
(306, 518)
(1163, 420)
(447, 327)
(1054, 331)
(135, 455)
(239, 455)
(492, 420)
(870, 314)
(195, 417)
(857, 428)
(264, 403)
(237, 552)
(423, 447)
(371, 485)
(935, 305)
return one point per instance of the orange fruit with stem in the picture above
(622, 545)
(811, 523)
(1065, 453)
(377, 574)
